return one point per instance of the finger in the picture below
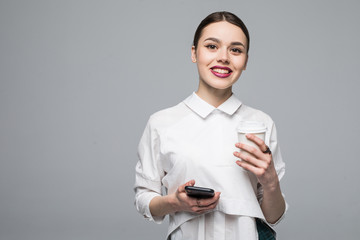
(202, 209)
(251, 168)
(250, 149)
(208, 201)
(181, 188)
(258, 141)
(251, 160)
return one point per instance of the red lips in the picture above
(221, 72)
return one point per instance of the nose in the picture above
(223, 56)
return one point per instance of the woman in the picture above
(196, 141)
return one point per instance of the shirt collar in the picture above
(202, 108)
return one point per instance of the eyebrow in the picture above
(218, 41)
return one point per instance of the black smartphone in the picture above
(199, 192)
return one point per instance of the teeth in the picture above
(219, 70)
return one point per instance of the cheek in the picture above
(205, 57)
(240, 64)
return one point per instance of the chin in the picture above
(222, 86)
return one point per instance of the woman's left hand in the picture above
(258, 162)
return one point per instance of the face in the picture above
(221, 55)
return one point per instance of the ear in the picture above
(193, 54)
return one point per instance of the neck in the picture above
(214, 97)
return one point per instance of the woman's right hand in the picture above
(189, 204)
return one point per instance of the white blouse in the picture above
(194, 140)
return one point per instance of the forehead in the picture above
(224, 31)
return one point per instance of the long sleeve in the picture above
(148, 172)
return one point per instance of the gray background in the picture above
(79, 79)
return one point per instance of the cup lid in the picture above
(251, 127)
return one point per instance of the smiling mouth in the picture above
(221, 72)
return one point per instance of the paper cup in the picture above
(256, 128)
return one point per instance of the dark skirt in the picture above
(264, 231)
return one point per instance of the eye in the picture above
(211, 46)
(236, 50)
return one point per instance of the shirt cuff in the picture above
(147, 213)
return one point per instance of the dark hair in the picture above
(218, 17)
